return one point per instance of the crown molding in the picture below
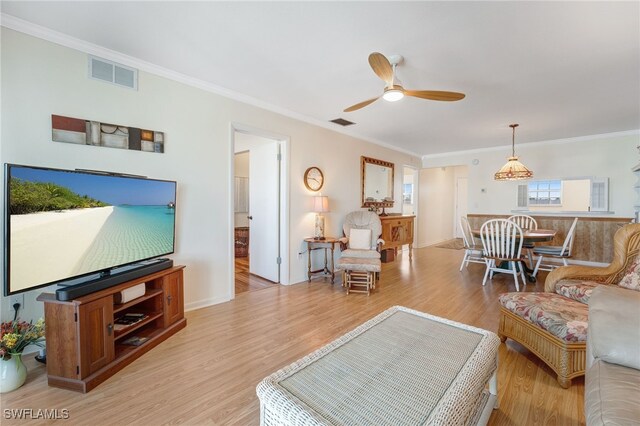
(634, 132)
(44, 33)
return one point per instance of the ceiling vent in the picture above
(114, 73)
(342, 122)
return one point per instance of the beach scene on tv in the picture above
(64, 224)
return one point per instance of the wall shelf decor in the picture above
(86, 132)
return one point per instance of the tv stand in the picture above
(84, 345)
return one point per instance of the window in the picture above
(407, 193)
(580, 194)
(545, 193)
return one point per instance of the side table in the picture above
(328, 244)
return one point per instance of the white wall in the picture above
(436, 222)
(40, 78)
(599, 156)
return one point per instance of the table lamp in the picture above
(320, 205)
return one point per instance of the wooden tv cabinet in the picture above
(83, 347)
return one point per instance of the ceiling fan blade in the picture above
(435, 95)
(361, 104)
(381, 66)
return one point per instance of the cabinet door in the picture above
(173, 298)
(96, 335)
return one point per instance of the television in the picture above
(65, 225)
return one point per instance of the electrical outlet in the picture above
(17, 298)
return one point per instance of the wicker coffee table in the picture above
(402, 367)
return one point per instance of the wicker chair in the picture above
(566, 357)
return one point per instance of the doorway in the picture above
(258, 199)
(461, 204)
(409, 196)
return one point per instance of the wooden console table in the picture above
(329, 243)
(397, 231)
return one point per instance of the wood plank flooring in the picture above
(248, 282)
(207, 373)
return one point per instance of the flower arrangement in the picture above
(17, 335)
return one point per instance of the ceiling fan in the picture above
(386, 70)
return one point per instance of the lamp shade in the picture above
(320, 204)
(513, 170)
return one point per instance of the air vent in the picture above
(114, 73)
(342, 122)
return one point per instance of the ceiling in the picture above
(560, 69)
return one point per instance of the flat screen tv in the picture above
(62, 224)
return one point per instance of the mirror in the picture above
(377, 182)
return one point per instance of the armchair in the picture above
(362, 220)
(360, 245)
(554, 324)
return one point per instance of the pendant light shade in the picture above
(514, 169)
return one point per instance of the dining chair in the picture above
(472, 250)
(526, 222)
(562, 252)
(502, 242)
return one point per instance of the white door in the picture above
(461, 204)
(264, 210)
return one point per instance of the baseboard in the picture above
(199, 304)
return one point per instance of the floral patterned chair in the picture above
(553, 324)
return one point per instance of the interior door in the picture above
(461, 204)
(264, 210)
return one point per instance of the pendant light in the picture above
(514, 169)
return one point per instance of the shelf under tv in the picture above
(86, 285)
(84, 350)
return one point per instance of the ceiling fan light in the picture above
(393, 95)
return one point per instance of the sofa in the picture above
(553, 324)
(612, 383)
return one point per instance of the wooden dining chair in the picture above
(472, 251)
(526, 222)
(561, 252)
(502, 242)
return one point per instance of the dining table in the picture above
(529, 236)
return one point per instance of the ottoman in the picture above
(401, 368)
(359, 273)
(552, 326)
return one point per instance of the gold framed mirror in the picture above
(376, 178)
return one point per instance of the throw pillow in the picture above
(631, 280)
(360, 239)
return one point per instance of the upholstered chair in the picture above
(361, 220)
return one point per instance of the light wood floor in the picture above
(207, 373)
(248, 282)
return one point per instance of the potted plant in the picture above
(15, 336)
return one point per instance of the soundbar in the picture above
(93, 283)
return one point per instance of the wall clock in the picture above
(313, 179)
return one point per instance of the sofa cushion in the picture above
(612, 395)
(614, 325)
(631, 279)
(360, 239)
(563, 317)
(579, 290)
(358, 264)
(372, 254)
